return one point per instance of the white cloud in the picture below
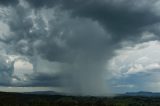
(4, 31)
(153, 66)
(144, 57)
(125, 86)
(147, 36)
(135, 69)
(21, 68)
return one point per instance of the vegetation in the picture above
(15, 99)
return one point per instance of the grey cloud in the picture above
(81, 34)
(6, 70)
(42, 3)
(79, 43)
(119, 17)
(38, 80)
(8, 2)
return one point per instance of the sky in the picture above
(80, 47)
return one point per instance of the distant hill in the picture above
(142, 93)
(44, 93)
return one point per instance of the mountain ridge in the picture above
(142, 93)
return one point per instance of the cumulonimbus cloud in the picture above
(79, 36)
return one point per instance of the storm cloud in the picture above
(8, 2)
(119, 17)
(69, 43)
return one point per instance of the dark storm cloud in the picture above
(8, 2)
(81, 36)
(80, 44)
(119, 20)
(122, 18)
(42, 3)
